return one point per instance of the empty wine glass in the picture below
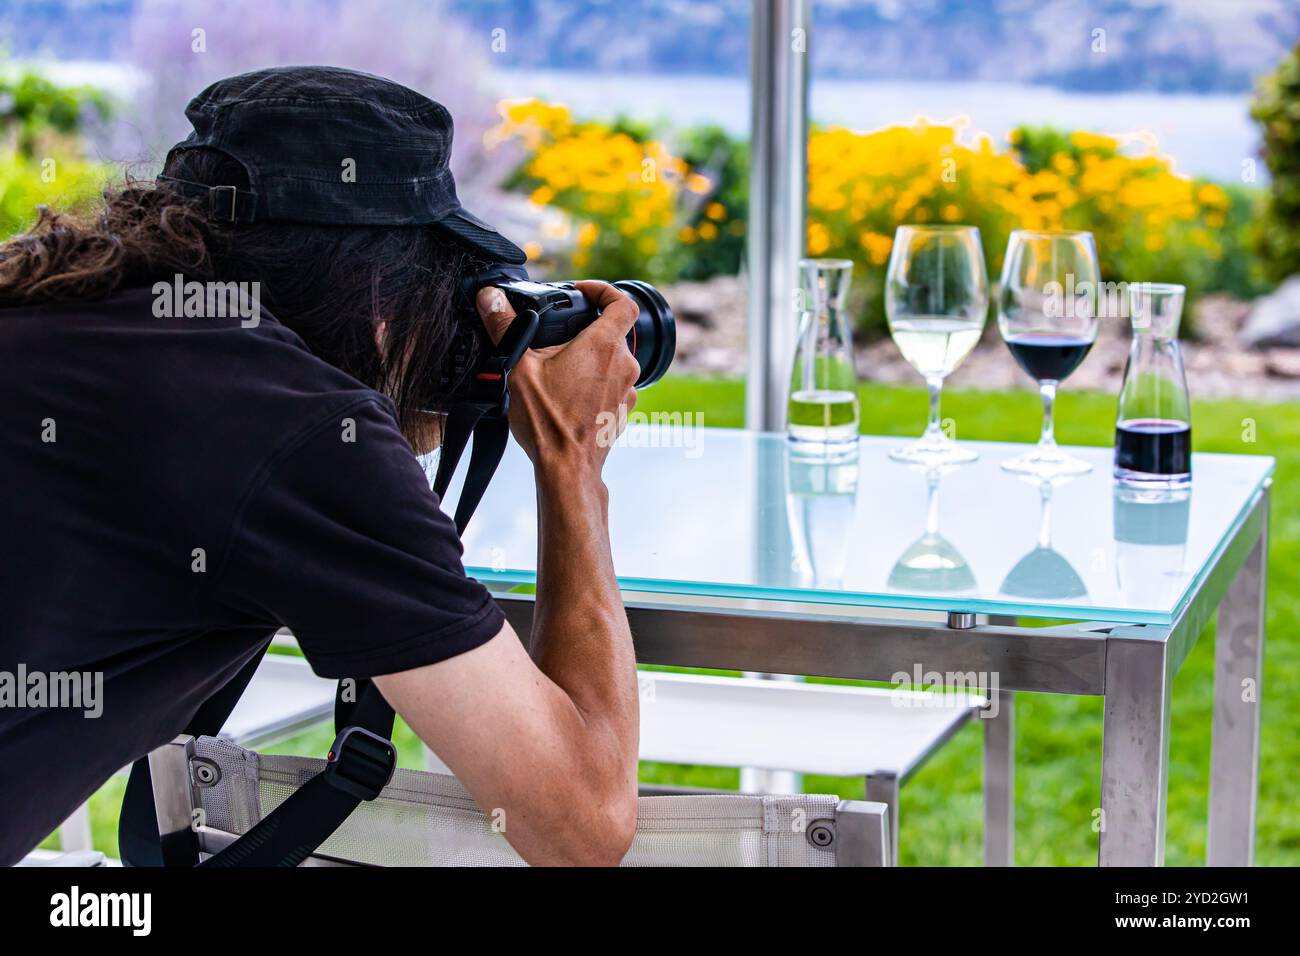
(1048, 316)
(936, 300)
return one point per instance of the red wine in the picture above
(1153, 446)
(1047, 357)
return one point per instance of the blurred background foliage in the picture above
(629, 197)
(1277, 110)
(35, 112)
(42, 161)
(630, 200)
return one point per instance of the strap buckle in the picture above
(360, 763)
(223, 204)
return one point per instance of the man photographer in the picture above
(176, 488)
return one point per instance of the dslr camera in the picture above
(551, 313)
(477, 384)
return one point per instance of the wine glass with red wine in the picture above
(1047, 314)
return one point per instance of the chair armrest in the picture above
(861, 833)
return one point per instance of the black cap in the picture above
(331, 146)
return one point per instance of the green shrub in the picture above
(34, 110)
(41, 150)
(1277, 109)
(65, 185)
(725, 162)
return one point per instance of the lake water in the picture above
(1205, 135)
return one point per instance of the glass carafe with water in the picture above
(1153, 430)
(822, 417)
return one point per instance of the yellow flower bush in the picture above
(862, 186)
(626, 194)
(644, 211)
(1150, 223)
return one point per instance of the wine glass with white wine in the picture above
(936, 300)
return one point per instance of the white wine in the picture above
(936, 298)
(935, 344)
(823, 416)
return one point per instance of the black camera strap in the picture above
(360, 764)
(483, 415)
(490, 432)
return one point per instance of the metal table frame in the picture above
(1131, 666)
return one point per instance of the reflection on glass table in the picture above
(819, 503)
(712, 519)
(931, 564)
(1150, 541)
(1044, 572)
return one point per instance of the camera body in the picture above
(561, 311)
(477, 387)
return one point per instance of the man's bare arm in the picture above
(551, 740)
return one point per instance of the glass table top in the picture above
(732, 514)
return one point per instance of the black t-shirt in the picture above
(171, 492)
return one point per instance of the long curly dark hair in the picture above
(330, 284)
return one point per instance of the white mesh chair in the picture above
(882, 736)
(428, 819)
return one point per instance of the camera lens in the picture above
(653, 339)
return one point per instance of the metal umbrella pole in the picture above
(778, 139)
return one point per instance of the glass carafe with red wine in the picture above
(1048, 316)
(1153, 431)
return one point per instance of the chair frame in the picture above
(861, 829)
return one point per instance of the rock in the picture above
(1275, 318)
(1218, 320)
(711, 340)
(1284, 363)
(718, 359)
(690, 337)
(717, 303)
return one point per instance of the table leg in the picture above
(1000, 782)
(1135, 750)
(1238, 674)
(883, 788)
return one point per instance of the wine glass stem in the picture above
(934, 428)
(1047, 442)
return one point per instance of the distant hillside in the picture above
(1168, 45)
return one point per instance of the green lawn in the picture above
(1058, 743)
(1058, 738)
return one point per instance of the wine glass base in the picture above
(1046, 466)
(933, 454)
